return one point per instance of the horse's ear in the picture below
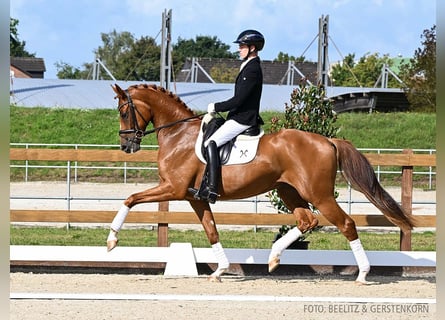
(120, 93)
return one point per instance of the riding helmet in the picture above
(251, 37)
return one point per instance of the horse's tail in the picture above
(360, 174)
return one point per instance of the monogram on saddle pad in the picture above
(239, 150)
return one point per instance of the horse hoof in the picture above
(213, 278)
(273, 264)
(111, 244)
(313, 224)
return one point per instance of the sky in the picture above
(70, 31)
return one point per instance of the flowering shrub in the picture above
(309, 110)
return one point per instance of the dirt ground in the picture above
(159, 297)
(111, 195)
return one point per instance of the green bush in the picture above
(309, 110)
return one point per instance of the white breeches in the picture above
(229, 130)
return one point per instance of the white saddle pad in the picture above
(243, 151)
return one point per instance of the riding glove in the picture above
(211, 108)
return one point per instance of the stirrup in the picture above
(205, 194)
(211, 197)
(195, 192)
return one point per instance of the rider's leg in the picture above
(209, 189)
(229, 130)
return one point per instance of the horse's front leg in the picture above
(162, 192)
(205, 215)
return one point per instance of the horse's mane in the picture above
(161, 89)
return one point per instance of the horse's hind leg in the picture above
(205, 215)
(305, 221)
(335, 215)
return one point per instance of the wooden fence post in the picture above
(163, 227)
(407, 201)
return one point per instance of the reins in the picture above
(172, 124)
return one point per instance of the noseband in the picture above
(136, 130)
(138, 133)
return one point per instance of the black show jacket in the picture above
(244, 106)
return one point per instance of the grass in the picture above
(100, 126)
(262, 239)
(389, 130)
(57, 125)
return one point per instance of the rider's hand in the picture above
(208, 117)
(211, 108)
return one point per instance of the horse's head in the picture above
(134, 118)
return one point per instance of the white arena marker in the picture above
(181, 261)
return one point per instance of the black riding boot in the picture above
(208, 190)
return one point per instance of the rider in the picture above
(243, 110)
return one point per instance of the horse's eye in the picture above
(124, 115)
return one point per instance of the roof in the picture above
(98, 94)
(29, 64)
(273, 72)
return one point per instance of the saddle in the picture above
(246, 143)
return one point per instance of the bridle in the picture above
(136, 130)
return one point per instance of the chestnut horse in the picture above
(301, 166)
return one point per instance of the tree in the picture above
(141, 61)
(342, 74)
(284, 57)
(223, 74)
(206, 47)
(124, 56)
(202, 46)
(115, 45)
(17, 47)
(128, 58)
(66, 71)
(419, 74)
(365, 72)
